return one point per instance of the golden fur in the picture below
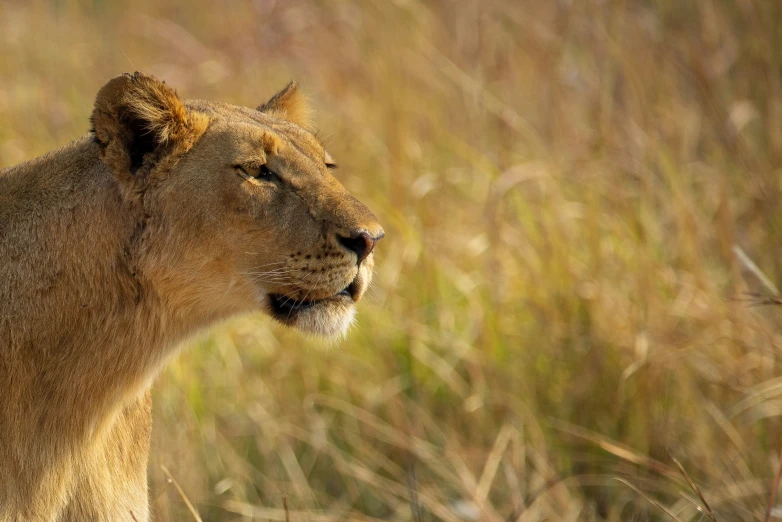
(171, 215)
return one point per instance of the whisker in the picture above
(311, 289)
(305, 297)
(274, 270)
(268, 273)
(271, 272)
(271, 264)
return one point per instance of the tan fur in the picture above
(119, 246)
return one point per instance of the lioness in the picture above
(167, 217)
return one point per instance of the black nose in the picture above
(361, 244)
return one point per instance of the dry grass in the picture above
(558, 300)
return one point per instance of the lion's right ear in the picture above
(139, 121)
(289, 104)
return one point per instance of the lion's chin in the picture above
(329, 317)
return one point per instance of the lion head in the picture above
(236, 209)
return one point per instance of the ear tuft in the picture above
(136, 116)
(289, 104)
(158, 107)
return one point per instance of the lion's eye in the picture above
(265, 172)
(255, 172)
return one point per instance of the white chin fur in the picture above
(332, 321)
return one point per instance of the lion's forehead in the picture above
(251, 124)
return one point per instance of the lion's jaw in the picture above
(320, 311)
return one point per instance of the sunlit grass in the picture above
(558, 303)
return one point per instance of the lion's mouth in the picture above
(328, 316)
(286, 305)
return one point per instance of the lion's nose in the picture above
(361, 243)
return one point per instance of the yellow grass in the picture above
(565, 186)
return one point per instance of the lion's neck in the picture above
(83, 331)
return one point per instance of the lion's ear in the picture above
(289, 104)
(138, 120)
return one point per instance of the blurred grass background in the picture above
(558, 303)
